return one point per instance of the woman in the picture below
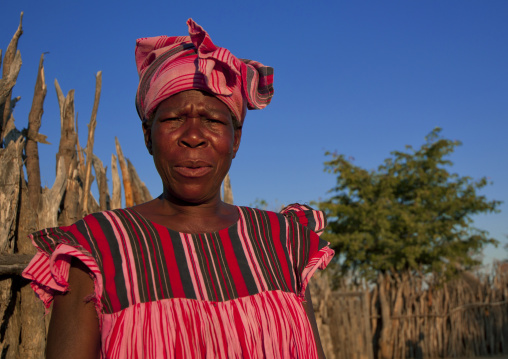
(185, 275)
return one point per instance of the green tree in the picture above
(409, 214)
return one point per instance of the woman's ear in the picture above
(147, 133)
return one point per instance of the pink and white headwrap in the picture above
(169, 65)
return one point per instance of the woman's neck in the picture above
(209, 216)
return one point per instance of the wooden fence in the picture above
(25, 206)
(415, 316)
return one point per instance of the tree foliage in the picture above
(409, 214)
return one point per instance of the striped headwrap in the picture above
(169, 65)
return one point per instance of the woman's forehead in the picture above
(191, 98)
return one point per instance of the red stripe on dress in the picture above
(195, 272)
(251, 257)
(108, 267)
(232, 261)
(274, 263)
(210, 275)
(172, 267)
(260, 248)
(222, 276)
(127, 256)
(281, 254)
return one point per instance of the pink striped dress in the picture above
(235, 293)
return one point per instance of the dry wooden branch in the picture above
(68, 136)
(116, 199)
(79, 151)
(61, 101)
(67, 150)
(12, 48)
(90, 142)
(32, 151)
(139, 190)
(102, 184)
(228, 191)
(51, 198)
(11, 67)
(6, 84)
(127, 183)
(14, 263)
(10, 163)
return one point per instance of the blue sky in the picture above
(362, 78)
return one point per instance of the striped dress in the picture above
(235, 293)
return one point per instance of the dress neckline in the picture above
(155, 224)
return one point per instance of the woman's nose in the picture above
(192, 134)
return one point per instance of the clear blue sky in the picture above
(362, 78)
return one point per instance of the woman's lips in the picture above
(192, 168)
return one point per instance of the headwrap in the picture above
(169, 65)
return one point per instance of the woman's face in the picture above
(193, 141)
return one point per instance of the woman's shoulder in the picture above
(314, 220)
(83, 227)
(300, 214)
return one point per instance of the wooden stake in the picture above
(11, 67)
(116, 198)
(127, 183)
(90, 142)
(228, 191)
(102, 184)
(32, 151)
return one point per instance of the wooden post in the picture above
(139, 190)
(33, 329)
(116, 198)
(228, 191)
(10, 163)
(10, 183)
(366, 324)
(90, 142)
(102, 184)
(67, 150)
(385, 345)
(127, 183)
(11, 67)
(33, 136)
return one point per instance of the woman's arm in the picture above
(74, 326)
(307, 305)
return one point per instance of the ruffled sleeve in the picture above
(308, 252)
(49, 269)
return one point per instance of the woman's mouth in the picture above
(192, 169)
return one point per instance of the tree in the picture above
(409, 214)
